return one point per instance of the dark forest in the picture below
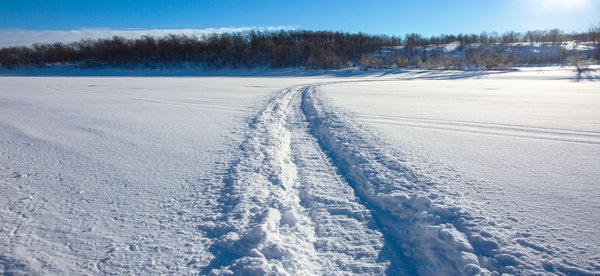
(313, 50)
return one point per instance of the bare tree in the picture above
(581, 62)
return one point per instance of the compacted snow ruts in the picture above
(311, 193)
(285, 209)
(347, 235)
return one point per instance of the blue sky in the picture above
(428, 17)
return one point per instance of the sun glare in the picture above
(563, 4)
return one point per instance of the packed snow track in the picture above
(313, 194)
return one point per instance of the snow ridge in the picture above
(434, 236)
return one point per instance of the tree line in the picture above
(307, 49)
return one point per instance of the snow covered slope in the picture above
(255, 176)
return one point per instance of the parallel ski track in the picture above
(312, 194)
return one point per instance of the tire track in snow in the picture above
(491, 125)
(311, 193)
(548, 134)
(94, 91)
(285, 210)
(346, 234)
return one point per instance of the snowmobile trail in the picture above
(312, 193)
(285, 209)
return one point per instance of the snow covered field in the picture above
(413, 172)
(526, 147)
(106, 174)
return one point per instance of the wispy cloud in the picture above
(24, 37)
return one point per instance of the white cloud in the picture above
(23, 37)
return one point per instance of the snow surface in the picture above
(340, 172)
(526, 147)
(106, 175)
